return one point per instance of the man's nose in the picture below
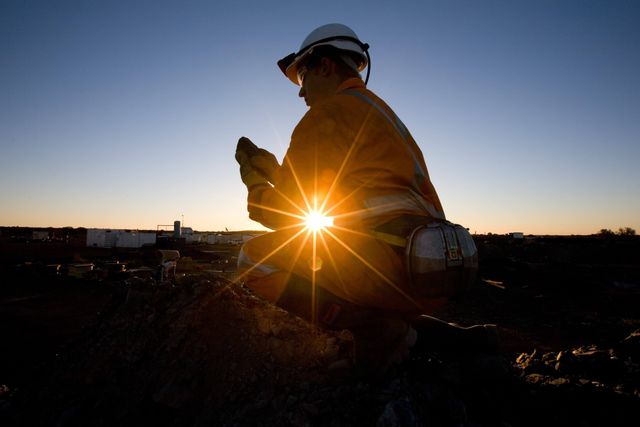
(302, 92)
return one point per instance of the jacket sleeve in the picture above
(317, 151)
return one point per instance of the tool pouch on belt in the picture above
(441, 259)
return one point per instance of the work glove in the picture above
(266, 164)
(250, 176)
(261, 160)
(245, 150)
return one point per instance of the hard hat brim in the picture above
(284, 63)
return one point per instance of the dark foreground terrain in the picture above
(118, 347)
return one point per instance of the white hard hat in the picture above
(337, 35)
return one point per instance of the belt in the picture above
(397, 231)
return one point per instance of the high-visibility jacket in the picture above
(352, 158)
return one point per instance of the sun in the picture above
(316, 221)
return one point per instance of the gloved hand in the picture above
(245, 150)
(249, 175)
(266, 164)
(261, 160)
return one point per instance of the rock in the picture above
(264, 325)
(536, 378)
(630, 346)
(566, 362)
(559, 381)
(399, 413)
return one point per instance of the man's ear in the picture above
(326, 67)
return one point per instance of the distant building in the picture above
(108, 238)
(39, 235)
(517, 235)
(192, 237)
(228, 238)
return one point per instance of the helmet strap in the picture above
(366, 80)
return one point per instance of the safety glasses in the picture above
(300, 73)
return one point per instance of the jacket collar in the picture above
(351, 83)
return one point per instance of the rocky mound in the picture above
(189, 355)
(207, 352)
(599, 386)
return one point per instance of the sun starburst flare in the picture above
(316, 221)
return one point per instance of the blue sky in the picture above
(126, 113)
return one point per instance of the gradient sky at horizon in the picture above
(125, 114)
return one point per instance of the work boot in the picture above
(438, 335)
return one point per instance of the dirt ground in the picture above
(555, 293)
(562, 304)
